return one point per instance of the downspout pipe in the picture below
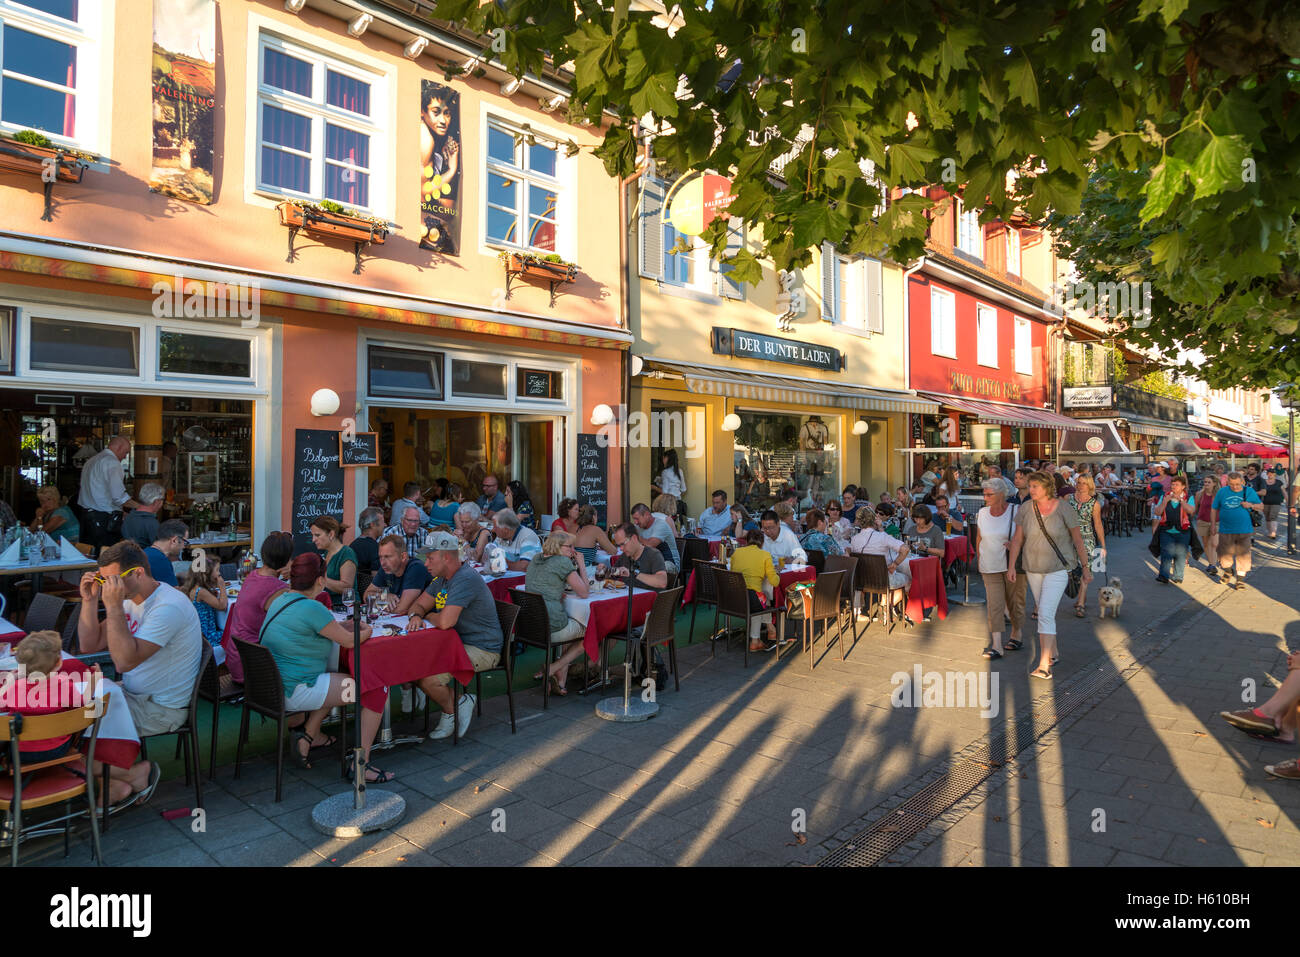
(907, 351)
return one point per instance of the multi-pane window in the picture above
(943, 323)
(970, 235)
(1013, 250)
(45, 77)
(316, 128)
(679, 266)
(851, 290)
(986, 335)
(1024, 347)
(523, 191)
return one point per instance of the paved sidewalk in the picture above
(776, 766)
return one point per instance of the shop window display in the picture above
(777, 451)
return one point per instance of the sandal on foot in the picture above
(1044, 673)
(380, 776)
(329, 742)
(1080, 612)
(302, 759)
(557, 688)
(991, 653)
(1015, 644)
(1268, 739)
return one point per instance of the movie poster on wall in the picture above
(184, 98)
(442, 164)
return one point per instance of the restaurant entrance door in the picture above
(540, 442)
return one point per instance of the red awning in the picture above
(1004, 413)
(1211, 444)
(1251, 450)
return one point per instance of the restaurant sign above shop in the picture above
(754, 345)
(1088, 397)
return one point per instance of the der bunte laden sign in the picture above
(317, 483)
(593, 474)
(755, 345)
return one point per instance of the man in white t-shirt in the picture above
(152, 633)
(779, 541)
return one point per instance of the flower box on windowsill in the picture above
(19, 157)
(554, 273)
(321, 223)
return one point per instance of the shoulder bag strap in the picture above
(1051, 541)
(268, 621)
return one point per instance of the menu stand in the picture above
(355, 814)
(629, 708)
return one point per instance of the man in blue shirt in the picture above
(716, 520)
(491, 500)
(405, 579)
(167, 549)
(1230, 520)
(410, 499)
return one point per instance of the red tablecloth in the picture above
(396, 659)
(501, 587)
(928, 590)
(787, 578)
(610, 615)
(955, 549)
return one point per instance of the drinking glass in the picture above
(349, 598)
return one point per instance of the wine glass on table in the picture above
(349, 599)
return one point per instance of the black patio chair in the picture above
(187, 735)
(827, 592)
(733, 603)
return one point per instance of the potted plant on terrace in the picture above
(550, 269)
(33, 153)
(330, 220)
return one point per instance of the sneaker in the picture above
(1287, 770)
(421, 699)
(406, 701)
(464, 713)
(443, 730)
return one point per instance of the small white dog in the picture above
(1111, 597)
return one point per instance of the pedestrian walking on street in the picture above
(1204, 507)
(1046, 533)
(1230, 520)
(995, 525)
(1273, 495)
(1173, 524)
(1087, 505)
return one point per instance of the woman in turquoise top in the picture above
(340, 561)
(301, 636)
(817, 537)
(444, 510)
(55, 518)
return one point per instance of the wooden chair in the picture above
(826, 604)
(187, 735)
(658, 630)
(733, 603)
(50, 782)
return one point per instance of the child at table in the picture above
(207, 590)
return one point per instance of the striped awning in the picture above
(1236, 432)
(1005, 413)
(763, 387)
(1158, 429)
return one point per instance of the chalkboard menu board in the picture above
(317, 483)
(593, 474)
(361, 451)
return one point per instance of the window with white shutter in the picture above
(875, 296)
(652, 228)
(970, 234)
(986, 335)
(1013, 250)
(1024, 347)
(828, 282)
(943, 323)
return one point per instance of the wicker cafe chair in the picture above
(43, 613)
(210, 690)
(506, 615)
(733, 603)
(49, 782)
(693, 551)
(658, 630)
(849, 565)
(875, 582)
(187, 735)
(706, 593)
(817, 559)
(533, 628)
(827, 592)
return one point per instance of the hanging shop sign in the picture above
(754, 345)
(442, 166)
(696, 201)
(1088, 397)
(184, 98)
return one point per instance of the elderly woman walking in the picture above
(1087, 505)
(1047, 532)
(995, 526)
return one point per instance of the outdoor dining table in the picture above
(955, 548)
(790, 576)
(604, 611)
(501, 585)
(9, 632)
(927, 590)
(388, 660)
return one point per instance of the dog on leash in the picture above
(1111, 597)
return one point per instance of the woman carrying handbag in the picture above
(1046, 530)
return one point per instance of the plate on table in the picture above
(386, 630)
(614, 584)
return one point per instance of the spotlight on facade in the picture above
(511, 86)
(295, 6)
(360, 23)
(413, 49)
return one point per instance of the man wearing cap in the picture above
(457, 598)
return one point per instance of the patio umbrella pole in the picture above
(352, 815)
(630, 708)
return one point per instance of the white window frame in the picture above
(565, 222)
(701, 270)
(321, 114)
(1013, 251)
(970, 234)
(217, 333)
(1024, 347)
(865, 309)
(92, 34)
(986, 335)
(943, 334)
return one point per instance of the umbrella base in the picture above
(337, 816)
(611, 709)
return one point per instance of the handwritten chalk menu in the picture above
(361, 451)
(317, 483)
(593, 474)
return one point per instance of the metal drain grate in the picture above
(875, 843)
